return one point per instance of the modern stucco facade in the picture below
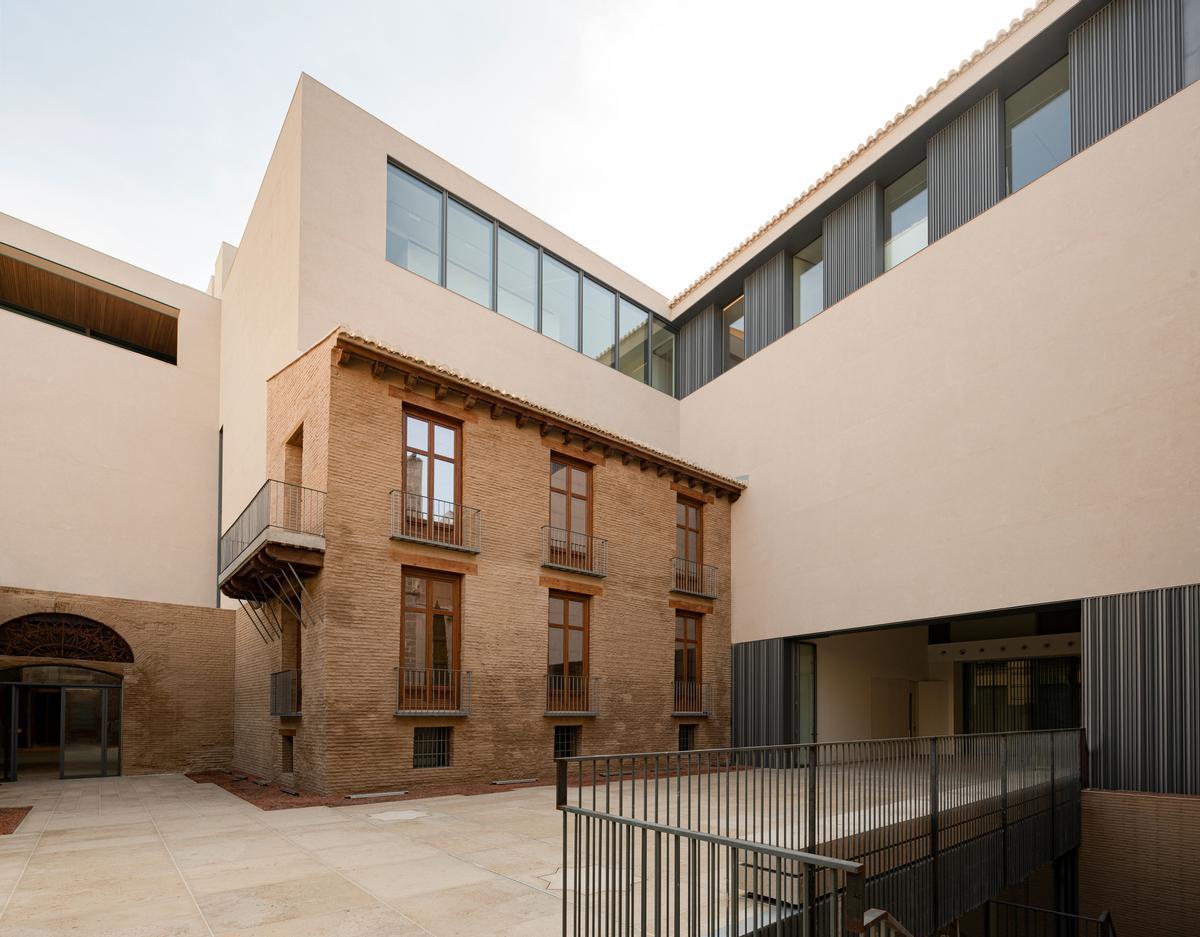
(990, 435)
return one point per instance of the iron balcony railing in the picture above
(695, 579)
(691, 699)
(427, 691)
(285, 693)
(625, 876)
(277, 504)
(940, 825)
(571, 695)
(574, 552)
(429, 520)
(1006, 919)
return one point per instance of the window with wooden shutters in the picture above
(688, 687)
(689, 545)
(429, 642)
(567, 661)
(432, 480)
(570, 513)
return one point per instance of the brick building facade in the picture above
(350, 402)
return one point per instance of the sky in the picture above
(657, 133)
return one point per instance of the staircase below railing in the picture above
(1007, 919)
(877, 923)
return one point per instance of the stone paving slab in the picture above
(162, 856)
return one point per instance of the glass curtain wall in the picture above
(634, 328)
(599, 322)
(808, 283)
(1038, 126)
(414, 225)
(468, 254)
(560, 302)
(905, 217)
(517, 279)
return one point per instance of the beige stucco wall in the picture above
(259, 289)
(345, 278)
(108, 480)
(1008, 418)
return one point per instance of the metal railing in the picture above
(429, 691)
(691, 699)
(695, 579)
(277, 504)
(285, 693)
(1006, 919)
(572, 695)
(940, 824)
(578, 553)
(624, 876)
(429, 520)
(878, 923)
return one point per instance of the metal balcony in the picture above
(424, 691)
(278, 539)
(691, 578)
(574, 552)
(568, 695)
(691, 699)
(421, 519)
(285, 693)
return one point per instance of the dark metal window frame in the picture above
(433, 747)
(652, 319)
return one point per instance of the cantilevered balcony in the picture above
(285, 693)
(426, 691)
(277, 541)
(692, 578)
(421, 519)
(691, 698)
(574, 552)
(571, 695)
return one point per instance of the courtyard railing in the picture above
(940, 825)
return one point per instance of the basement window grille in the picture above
(287, 758)
(431, 747)
(566, 741)
(687, 737)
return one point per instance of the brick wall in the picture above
(1139, 860)
(352, 739)
(177, 699)
(297, 396)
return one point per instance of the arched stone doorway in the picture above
(60, 718)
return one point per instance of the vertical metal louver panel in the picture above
(1124, 60)
(966, 166)
(767, 310)
(698, 350)
(853, 244)
(759, 692)
(1141, 690)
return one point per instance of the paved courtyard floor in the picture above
(162, 856)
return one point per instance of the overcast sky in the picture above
(657, 133)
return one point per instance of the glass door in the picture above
(8, 732)
(86, 751)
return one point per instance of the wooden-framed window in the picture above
(429, 639)
(689, 544)
(570, 511)
(567, 653)
(688, 644)
(432, 475)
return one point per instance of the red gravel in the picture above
(11, 817)
(271, 797)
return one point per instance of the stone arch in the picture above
(62, 636)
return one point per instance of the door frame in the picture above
(14, 687)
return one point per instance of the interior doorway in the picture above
(59, 721)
